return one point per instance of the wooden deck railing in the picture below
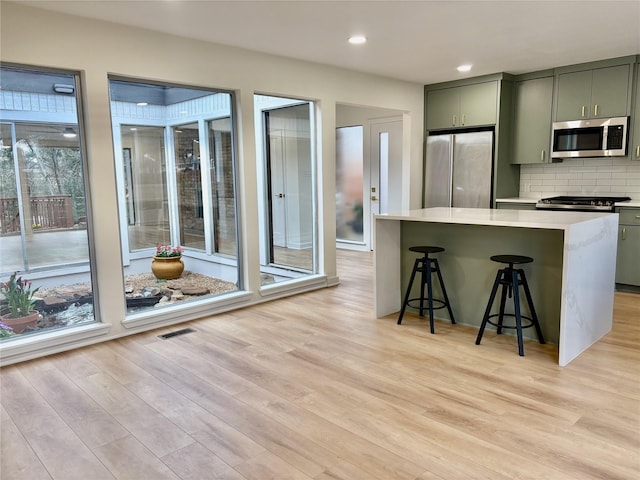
(46, 213)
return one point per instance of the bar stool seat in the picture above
(511, 279)
(426, 266)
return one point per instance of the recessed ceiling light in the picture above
(142, 104)
(357, 39)
(464, 68)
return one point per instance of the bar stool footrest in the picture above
(440, 303)
(513, 315)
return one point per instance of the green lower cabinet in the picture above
(628, 260)
(515, 206)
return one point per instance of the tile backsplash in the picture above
(618, 176)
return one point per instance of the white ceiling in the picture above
(419, 41)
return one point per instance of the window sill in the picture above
(32, 346)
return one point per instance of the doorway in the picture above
(289, 240)
(370, 140)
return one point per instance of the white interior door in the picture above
(385, 171)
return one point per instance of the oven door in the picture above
(559, 207)
(578, 141)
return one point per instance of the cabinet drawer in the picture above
(515, 206)
(629, 216)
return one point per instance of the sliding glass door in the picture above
(288, 236)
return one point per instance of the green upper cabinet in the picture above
(634, 141)
(596, 93)
(532, 120)
(465, 106)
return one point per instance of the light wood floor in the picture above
(313, 387)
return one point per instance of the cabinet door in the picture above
(478, 104)
(634, 142)
(628, 260)
(609, 90)
(574, 96)
(532, 120)
(443, 107)
(515, 206)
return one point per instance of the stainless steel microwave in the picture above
(600, 137)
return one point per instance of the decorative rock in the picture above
(266, 279)
(54, 303)
(195, 291)
(151, 291)
(167, 292)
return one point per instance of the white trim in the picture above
(33, 346)
(197, 309)
(295, 285)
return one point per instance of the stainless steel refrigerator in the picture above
(458, 170)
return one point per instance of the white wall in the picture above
(36, 37)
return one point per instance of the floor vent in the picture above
(176, 333)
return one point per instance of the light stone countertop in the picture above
(631, 203)
(549, 219)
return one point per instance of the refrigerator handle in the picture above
(451, 150)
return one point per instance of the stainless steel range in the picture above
(580, 204)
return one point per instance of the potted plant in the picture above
(167, 262)
(19, 312)
(5, 330)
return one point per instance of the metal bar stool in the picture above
(426, 266)
(511, 278)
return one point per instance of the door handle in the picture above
(453, 121)
(595, 110)
(624, 233)
(463, 120)
(583, 109)
(638, 151)
(542, 155)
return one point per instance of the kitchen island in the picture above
(572, 278)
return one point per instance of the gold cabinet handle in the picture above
(542, 155)
(624, 233)
(583, 109)
(374, 198)
(595, 110)
(463, 120)
(454, 121)
(638, 151)
(637, 217)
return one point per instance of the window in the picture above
(349, 184)
(176, 187)
(44, 235)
